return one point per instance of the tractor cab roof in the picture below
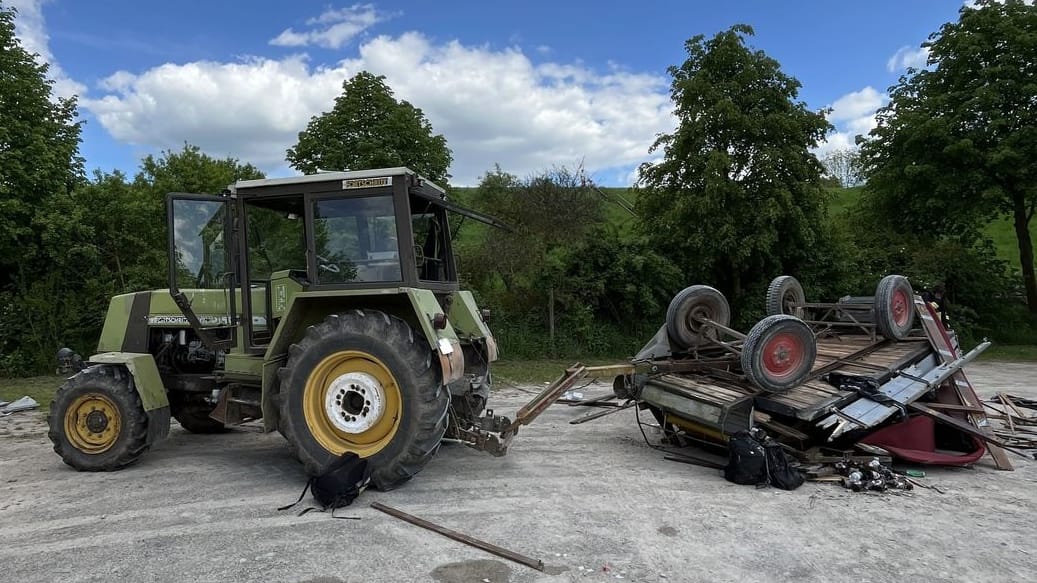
(358, 183)
(351, 180)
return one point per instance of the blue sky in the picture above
(527, 85)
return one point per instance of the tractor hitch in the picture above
(493, 433)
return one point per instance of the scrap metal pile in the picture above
(844, 382)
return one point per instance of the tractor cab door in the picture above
(201, 255)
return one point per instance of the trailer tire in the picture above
(778, 353)
(894, 307)
(691, 302)
(339, 364)
(785, 296)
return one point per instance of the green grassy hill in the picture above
(842, 200)
(1000, 231)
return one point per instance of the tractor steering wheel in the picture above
(325, 264)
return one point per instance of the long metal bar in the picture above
(549, 395)
(719, 326)
(461, 537)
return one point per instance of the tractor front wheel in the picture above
(364, 382)
(97, 422)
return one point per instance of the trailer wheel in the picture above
(363, 381)
(697, 301)
(894, 307)
(785, 296)
(97, 422)
(779, 353)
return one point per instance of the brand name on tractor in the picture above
(351, 183)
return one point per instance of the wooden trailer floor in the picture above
(853, 355)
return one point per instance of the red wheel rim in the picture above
(900, 307)
(783, 354)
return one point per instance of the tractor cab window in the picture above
(356, 240)
(431, 238)
(276, 240)
(200, 253)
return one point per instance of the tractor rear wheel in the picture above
(193, 414)
(778, 353)
(97, 422)
(363, 381)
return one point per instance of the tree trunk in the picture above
(1022, 233)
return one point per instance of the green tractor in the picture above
(326, 305)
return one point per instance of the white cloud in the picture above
(333, 28)
(856, 104)
(30, 28)
(908, 57)
(493, 106)
(852, 114)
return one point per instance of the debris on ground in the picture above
(838, 387)
(871, 476)
(26, 403)
(1019, 420)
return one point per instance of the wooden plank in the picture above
(958, 424)
(953, 407)
(947, 351)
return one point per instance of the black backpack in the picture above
(746, 460)
(338, 486)
(756, 460)
(779, 472)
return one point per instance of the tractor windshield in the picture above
(356, 240)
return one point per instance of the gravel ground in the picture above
(592, 501)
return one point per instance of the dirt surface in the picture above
(592, 501)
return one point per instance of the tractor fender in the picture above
(148, 384)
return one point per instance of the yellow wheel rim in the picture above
(93, 423)
(352, 402)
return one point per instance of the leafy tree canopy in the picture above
(369, 128)
(737, 197)
(955, 146)
(39, 148)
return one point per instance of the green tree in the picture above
(39, 167)
(39, 150)
(369, 128)
(955, 146)
(737, 197)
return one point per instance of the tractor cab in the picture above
(362, 230)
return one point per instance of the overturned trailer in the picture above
(818, 376)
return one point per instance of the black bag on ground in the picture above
(746, 460)
(780, 474)
(338, 486)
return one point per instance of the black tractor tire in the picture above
(785, 296)
(192, 412)
(96, 420)
(894, 307)
(778, 353)
(696, 300)
(396, 356)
